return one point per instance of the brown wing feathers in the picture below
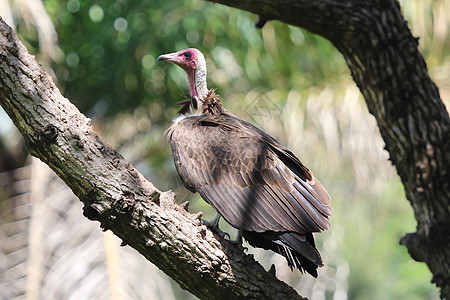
(214, 163)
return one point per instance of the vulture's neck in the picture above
(202, 101)
(197, 81)
(198, 88)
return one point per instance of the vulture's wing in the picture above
(252, 181)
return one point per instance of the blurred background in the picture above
(292, 84)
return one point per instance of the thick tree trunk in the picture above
(115, 193)
(392, 75)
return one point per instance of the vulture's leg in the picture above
(213, 225)
(238, 239)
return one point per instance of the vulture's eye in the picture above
(187, 55)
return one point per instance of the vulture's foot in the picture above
(213, 225)
(238, 240)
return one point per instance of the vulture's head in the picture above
(193, 63)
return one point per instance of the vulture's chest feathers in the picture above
(212, 142)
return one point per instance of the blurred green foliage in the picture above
(292, 83)
(110, 49)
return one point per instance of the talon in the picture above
(213, 225)
(224, 234)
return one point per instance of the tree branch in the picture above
(387, 66)
(116, 194)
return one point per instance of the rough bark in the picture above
(385, 63)
(116, 194)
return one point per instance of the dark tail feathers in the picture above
(299, 250)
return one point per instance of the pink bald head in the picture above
(193, 63)
(186, 59)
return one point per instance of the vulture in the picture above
(256, 184)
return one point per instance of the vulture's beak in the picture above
(160, 58)
(169, 57)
